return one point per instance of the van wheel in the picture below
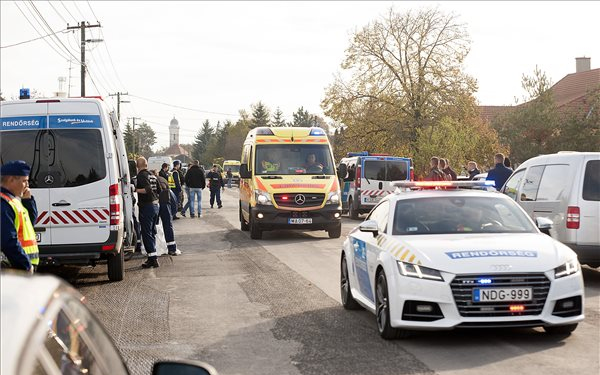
(243, 224)
(335, 232)
(352, 211)
(255, 232)
(116, 266)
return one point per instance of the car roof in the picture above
(23, 299)
(436, 193)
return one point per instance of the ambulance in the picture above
(288, 181)
(368, 177)
(79, 178)
(235, 171)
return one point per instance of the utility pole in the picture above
(119, 101)
(82, 26)
(133, 132)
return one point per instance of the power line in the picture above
(81, 14)
(57, 12)
(33, 40)
(88, 3)
(68, 11)
(181, 107)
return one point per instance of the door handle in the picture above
(380, 185)
(59, 204)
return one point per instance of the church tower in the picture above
(174, 132)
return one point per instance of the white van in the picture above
(155, 162)
(564, 187)
(79, 178)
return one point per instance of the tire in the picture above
(561, 330)
(116, 266)
(382, 311)
(255, 232)
(335, 232)
(352, 211)
(243, 224)
(348, 300)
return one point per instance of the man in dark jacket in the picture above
(148, 191)
(435, 174)
(215, 181)
(500, 173)
(178, 179)
(195, 180)
(472, 169)
(449, 171)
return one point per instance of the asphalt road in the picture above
(272, 307)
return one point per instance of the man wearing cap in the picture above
(19, 212)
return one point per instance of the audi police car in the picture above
(445, 257)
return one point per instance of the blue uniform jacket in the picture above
(10, 243)
(499, 174)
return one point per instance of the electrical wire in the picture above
(88, 3)
(79, 11)
(68, 11)
(181, 107)
(57, 12)
(33, 40)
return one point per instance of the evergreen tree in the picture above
(303, 119)
(278, 119)
(260, 115)
(202, 141)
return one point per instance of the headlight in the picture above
(333, 198)
(262, 197)
(567, 269)
(420, 272)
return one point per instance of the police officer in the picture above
(166, 204)
(215, 184)
(19, 212)
(148, 191)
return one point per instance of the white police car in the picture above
(456, 258)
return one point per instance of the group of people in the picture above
(440, 170)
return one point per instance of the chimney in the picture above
(582, 64)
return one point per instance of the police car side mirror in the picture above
(342, 171)
(369, 226)
(183, 368)
(544, 224)
(244, 173)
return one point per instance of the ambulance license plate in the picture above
(502, 294)
(38, 237)
(293, 220)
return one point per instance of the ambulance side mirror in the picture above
(244, 172)
(342, 171)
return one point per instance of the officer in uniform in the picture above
(215, 184)
(148, 191)
(19, 212)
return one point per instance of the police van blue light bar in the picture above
(442, 184)
(317, 131)
(361, 153)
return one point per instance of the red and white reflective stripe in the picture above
(375, 192)
(68, 217)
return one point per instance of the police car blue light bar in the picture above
(442, 184)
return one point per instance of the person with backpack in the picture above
(167, 201)
(148, 190)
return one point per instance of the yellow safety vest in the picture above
(24, 227)
(171, 181)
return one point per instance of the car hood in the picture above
(472, 253)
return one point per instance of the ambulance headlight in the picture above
(262, 197)
(420, 272)
(567, 269)
(333, 198)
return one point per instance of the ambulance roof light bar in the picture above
(264, 131)
(317, 131)
(443, 184)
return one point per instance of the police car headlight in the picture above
(333, 198)
(567, 269)
(420, 272)
(262, 197)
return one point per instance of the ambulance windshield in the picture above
(294, 159)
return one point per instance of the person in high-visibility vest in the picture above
(19, 212)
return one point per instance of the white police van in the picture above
(368, 179)
(79, 177)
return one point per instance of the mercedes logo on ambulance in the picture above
(300, 199)
(49, 180)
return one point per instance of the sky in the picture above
(216, 58)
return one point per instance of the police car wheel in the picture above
(116, 266)
(348, 300)
(352, 211)
(382, 311)
(561, 330)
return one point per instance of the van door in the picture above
(589, 204)
(374, 170)
(78, 176)
(529, 189)
(552, 196)
(29, 143)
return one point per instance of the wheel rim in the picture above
(382, 303)
(344, 281)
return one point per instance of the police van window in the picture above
(532, 182)
(591, 181)
(554, 183)
(397, 170)
(512, 185)
(375, 170)
(21, 145)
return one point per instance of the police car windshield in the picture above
(447, 215)
(293, 159)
